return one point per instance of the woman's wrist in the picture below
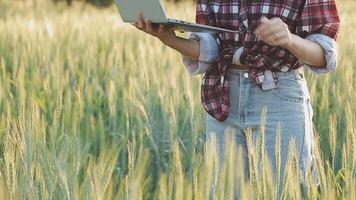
(168, 40)
(187, 47)
(306, 51)
(293, 40)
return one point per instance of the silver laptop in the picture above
(153, 10)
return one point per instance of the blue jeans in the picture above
(288, 107)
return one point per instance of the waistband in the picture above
(237, 73)
(233, 71)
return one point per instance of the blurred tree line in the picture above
(100, 3)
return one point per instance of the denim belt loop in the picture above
(301, 72)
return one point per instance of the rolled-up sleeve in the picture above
(208, 53)
(331, 53)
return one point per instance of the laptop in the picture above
(153, 10)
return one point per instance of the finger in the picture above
(279, 33)
(263, 23)
(172, 29)
(149, 28)
(277, 40)
(264, 20)
(140, 21)
(277, 21)
(262, 27)
(270, 31)
(161, 28)
(277, 28)
(271, 40)
(280, 39)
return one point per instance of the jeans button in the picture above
(246, 75)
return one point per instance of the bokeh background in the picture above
(91, 108)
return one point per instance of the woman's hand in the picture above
(274, 32)
(188, 47)
(162, 32)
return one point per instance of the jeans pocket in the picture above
(291, 88)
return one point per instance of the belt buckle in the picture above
(239, 66)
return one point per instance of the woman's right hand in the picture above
(162, 32)
(188, 47)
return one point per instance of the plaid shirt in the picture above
(303, 17)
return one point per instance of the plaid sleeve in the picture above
(204, 14)
(331, 53)
(209, 51)
(318, 16)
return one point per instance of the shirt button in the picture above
(246, 75)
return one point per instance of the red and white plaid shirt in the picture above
(303, 17)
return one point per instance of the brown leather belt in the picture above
(240, 67)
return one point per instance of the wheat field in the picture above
(90, 108)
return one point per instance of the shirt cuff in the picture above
(331, 53)
(208, 53)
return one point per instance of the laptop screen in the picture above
(151, 9)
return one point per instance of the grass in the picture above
(90, 108)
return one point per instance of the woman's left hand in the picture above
(274, 32)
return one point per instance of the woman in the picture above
(258, 68)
